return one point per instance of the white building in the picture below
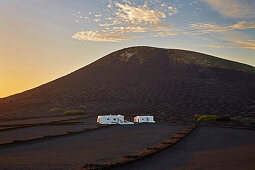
(144, 119)
(112, 119)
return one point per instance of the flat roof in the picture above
(144, 116)
(109, 115)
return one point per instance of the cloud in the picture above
(243, 25)
(139, 29)
(160, 27)
(164, 34)
(94, 35)
(232, 43)
(172, 11)
(130, 29)
(204, 28)
(123, 21)
(138, 15)
(98, 15)
(106, 24)
(234, 8)
(250, 44)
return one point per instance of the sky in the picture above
(41, 40)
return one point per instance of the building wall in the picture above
(111, 119)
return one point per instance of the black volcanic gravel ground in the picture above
(40, 131)
(95, 146)
(39, 120)
(205, 148)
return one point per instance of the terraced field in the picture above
(75, 150)
(75, 142)
(41, 120)
(48, 129)
(206, 148)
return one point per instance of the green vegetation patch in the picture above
(56, 110)
(82, 107)
(73, 112)
(208, 118)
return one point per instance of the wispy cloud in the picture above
(250, 44)
(165, 33)
(142, 28)
(139, 14)
(226, 37)
(205, 28)
(232, 43)
(234, 8)
(127, 19)
(172, 10)
(95, 35)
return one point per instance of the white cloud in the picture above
(125, 20)
(204, 28)
(96, 20)
(130, 29)
(98, 15)
(160, 27)
(172, 11)
(234, 8)
(163, 5)
(250, 44)
(138, 15)
(136, 29)
(164, 34)
(94, 35)
(231, 41)
(109, 6)
(236, 43)
(243, 25)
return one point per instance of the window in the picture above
(114, 119)
(108, 119)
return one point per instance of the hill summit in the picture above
(137, 80)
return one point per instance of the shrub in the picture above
(196, 115)
(73, 112)
(56, 110)
(82, 107)
(208, 118)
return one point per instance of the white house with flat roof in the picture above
(112, 119)
(144, 119)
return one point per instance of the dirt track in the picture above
(206, 148)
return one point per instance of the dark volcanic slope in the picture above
(144, 80)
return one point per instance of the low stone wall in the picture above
(126, 159)
(17, 142)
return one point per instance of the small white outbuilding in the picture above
(112, 119)
(144, 119)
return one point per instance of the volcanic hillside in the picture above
(139, 80)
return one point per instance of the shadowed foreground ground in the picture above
(89, 147)
(206, 148)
